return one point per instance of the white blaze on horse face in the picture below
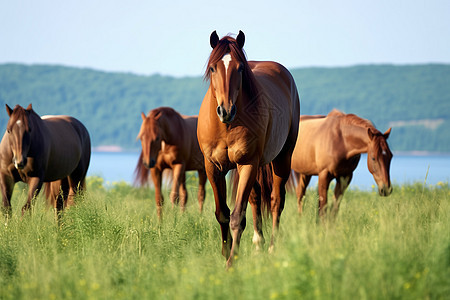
(19, 122)
(226, 61)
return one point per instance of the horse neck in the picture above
(37, 138)
(172, 129)
(356, 139)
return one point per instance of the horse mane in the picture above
(352, 119)
(229, 45)
(19, 113)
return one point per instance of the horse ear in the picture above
(387, 133)
(143, 116)
(30, 107)
(158, 115)
(240, 39)
(8, 110)
(213, 39)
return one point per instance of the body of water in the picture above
(120, 166)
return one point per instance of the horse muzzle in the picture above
(226, 116)
(151, 164)
(385, 190)
(20, 164)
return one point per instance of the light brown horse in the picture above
(169, 141)
(52, 149)
(249, 118)
(331, 146)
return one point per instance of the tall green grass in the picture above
(111, 246)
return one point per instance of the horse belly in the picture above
(65, 150)
(276, 140)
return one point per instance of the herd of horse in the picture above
(249, 121)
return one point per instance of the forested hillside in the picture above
(414, 100)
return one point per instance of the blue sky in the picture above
(172, 37)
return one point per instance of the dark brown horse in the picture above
(331, 146)
(169, 141)
(249, 118)
(52, 149)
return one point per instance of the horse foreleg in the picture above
(178, 171)
(219, 187)
(247, 177)
(34, 186)
(156, 177)
(324, 182)
(255, 201)
(7, 186)
(303, 181)
(342, 184)
(201, 189)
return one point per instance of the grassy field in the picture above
(111, 246)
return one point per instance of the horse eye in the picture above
(8, 130)
(211, 69)
(241, 68)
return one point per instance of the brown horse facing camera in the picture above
(248, 118)
(169, 141)
(54, 150)
(330, 147)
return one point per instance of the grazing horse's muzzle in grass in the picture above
(385, 190)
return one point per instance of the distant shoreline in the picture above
(119, 149)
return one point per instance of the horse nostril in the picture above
(233, 111)
(152, 163)
(221, 112)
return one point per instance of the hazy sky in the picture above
(172, 37)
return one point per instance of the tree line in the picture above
(109, 104)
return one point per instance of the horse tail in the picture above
(141, 173)
(264, 177)
(292, 182)
(265, 180)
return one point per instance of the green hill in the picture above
(414, 100)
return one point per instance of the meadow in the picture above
(111, 246)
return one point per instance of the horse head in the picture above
(227, 69)
(151, 136)
(379, 158)
(19, 134)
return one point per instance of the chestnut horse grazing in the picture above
(249, 118)
(331, 146)
(52, 149)
(169, 140)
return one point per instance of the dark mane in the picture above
(229, 45)
(352, 119)
(19, 113)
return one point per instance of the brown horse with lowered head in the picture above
(55, 150)
(169, 141)
(248, 119)
(331, 146)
